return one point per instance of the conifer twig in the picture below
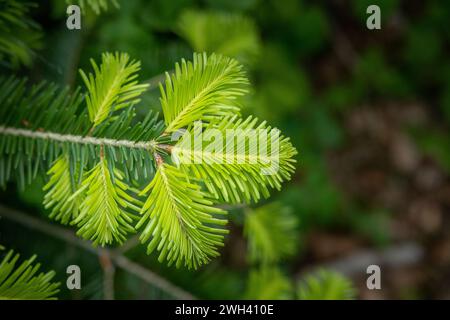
(118, 259)
(109, 271)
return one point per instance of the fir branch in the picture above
(272, 233)
(230, 34)
(23, 282)
(326, 285)
(181, 218)
(40, 123)
(97, 151)
(119, 259)
(19, 35)
(268, 283)
(83, 140)
(96, 5)
(232, 172)
(60, 190)
(113, 86)
(205, 89)
(105, 211)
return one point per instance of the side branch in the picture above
(117, 258)
(147, 145)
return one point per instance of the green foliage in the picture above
(272, 233)
(34, 109)
(230, 34)
(279, 84)
(299, 27)
(312, 30)
(423, 48)
(161, 15)
(19, 35)
(97, 151)
(23, 282)
(243, 173)
(373, 225)
(325, 285)
(374, 75)
(60, 192)
(181, 219)
(317, 200)
(105, 211)
(134, 29)
(304, 86)
(218, 282)
(204, 89)
(268, 283)
(387, 7)
(51, 128)
(113, 84)
(40, 123)
(268, 246)
(96, 5)
(434, 142)
(445, 99)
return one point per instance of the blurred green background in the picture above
(368, 111)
